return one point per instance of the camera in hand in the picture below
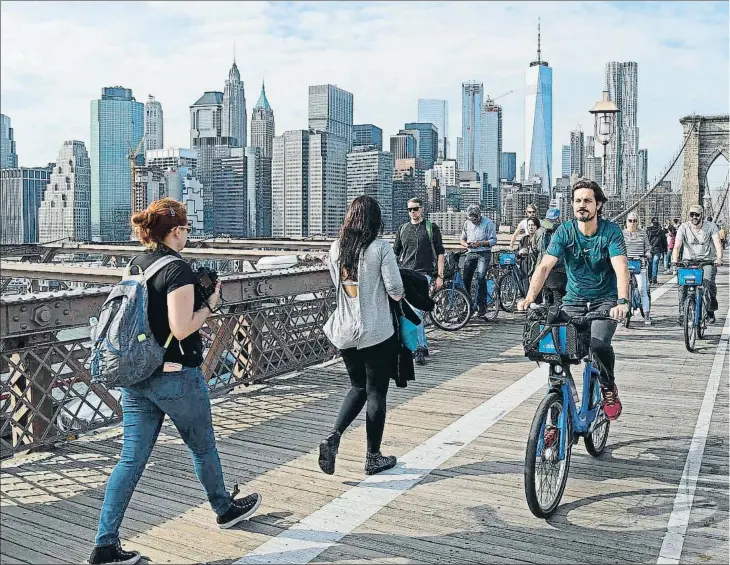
(207, 279)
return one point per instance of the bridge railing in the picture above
(270, 324)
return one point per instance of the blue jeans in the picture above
(422, 342)
(478, 262)
(655, 260)
(667, 260)
(183, 396)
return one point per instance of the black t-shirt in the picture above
(189, 352)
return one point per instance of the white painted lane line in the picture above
(671, 550)
(323, 528)
(657, 293)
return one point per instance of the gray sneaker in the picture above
(647, 321)
(420, 357)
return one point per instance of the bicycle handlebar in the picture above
(566, 319)
(694, 263)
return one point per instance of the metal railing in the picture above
(271, 324)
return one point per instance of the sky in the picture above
(55, 57)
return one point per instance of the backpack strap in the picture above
(429, 231)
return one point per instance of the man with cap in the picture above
(478, 236)
(658, 241)
(555, 285)
(699, 239)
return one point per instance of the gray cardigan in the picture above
(378, 277)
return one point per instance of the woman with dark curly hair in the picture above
(365, 273)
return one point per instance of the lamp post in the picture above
(605, 126)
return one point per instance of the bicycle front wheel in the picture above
(508, 292)
(452, 309)
(690, 328)
(492, 310)
(545, 473)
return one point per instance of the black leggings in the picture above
(370, 371)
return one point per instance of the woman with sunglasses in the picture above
(638, 247)
(176, 312)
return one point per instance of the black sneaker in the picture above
(420, 357)
(328, 448)
(425, 351)
(113, 554)
(239, 510)
(711, 318)
(377, 462)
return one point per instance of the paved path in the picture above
(459, 432)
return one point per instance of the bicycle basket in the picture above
(507, 259)
(689, 277)
(539, 344)
(635, 266)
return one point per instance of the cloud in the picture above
(388, 54)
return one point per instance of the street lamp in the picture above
(605, 125)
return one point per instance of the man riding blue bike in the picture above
(596, 265)
(699, 239)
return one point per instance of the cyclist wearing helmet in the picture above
(699, 239)
(478, 236)
(598, 278)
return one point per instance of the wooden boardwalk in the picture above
(469, 508)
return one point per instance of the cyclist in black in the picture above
(594, 252)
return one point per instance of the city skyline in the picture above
(671, 62)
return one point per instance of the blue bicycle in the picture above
(512, 284)
(690, 277)
(560, 420)
(454, 306)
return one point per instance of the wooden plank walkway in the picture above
(469, 509)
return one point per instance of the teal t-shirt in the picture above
(588, 260)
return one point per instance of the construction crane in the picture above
(132, 157)
(489, 99)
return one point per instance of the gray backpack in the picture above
(123, 350)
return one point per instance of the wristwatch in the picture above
(622, 301)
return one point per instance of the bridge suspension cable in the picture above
(658, 178)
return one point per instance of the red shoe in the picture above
(611, 403)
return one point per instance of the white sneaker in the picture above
(647, 321)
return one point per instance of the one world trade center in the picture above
(539, 120)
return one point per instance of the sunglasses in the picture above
(633, 221)
(694, 215)
(414, 209)
(531, 212)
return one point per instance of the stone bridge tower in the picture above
(709, 139)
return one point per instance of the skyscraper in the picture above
(22, 191)
(408, 182)
(539, 120)
(403, 146)
(65, 211)
(577, 152)
(370, 173)
(472, 100)
(643, 180)
(327, 183)
(509, 166)
(290, 184)
(436, 112)
(428, 138)
(330, 110)
(230, 194)
(234, 109)
(258, 192)
(364, 135)
(263, 127)
(460, 151)
(117, 124)
(8, 155)
(622, 153)
(490, 153)
(565, 161)
(206, 117)
(153, 125)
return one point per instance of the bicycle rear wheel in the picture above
(546, 475)
(452, 309)
(508, 292)
(492, 310)
(690, 328)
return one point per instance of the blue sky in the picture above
(388, 54)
